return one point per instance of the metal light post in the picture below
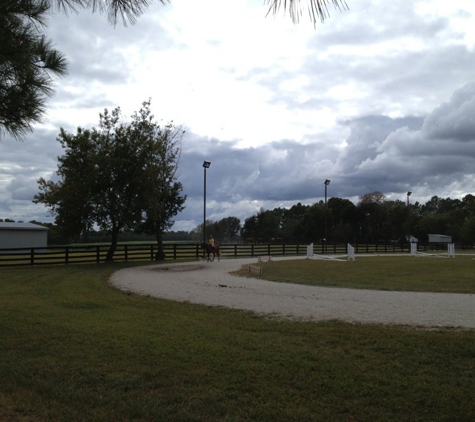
(206, 165)
(326, 183)
(408, 195)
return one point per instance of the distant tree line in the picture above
(226, 230)
(374, 218)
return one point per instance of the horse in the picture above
(211, 252)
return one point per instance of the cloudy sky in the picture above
(379, 97)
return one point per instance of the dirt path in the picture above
(211, 284)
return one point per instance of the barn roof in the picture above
(21, 226)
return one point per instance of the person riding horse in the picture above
(211, 248)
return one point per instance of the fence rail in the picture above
(64, 255)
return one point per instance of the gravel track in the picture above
(212, 284)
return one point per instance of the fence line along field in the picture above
(96, 253)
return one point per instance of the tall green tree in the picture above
(160, 190)
(292, 222)
(229, 228)
(71, 199)
(343, 217)
(249, 230)
(372, 208)
(269, 224)
(313, 223)
(118, 176)
(27, 63)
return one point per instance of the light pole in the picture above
(206, 165)
(326, 183)
(408, 195)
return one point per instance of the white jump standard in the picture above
(450, 252)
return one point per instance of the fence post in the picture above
(66, 255)
(32, 256)
(126, 253)
(174, 252)
(98, 254)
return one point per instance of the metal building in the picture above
(23, 235)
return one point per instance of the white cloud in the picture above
(364, 99)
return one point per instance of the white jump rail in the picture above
(349, 257)
(450, 252)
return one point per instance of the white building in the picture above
(23, 235)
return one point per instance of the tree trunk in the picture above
(113, 246)
(160, 255)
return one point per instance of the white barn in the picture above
(23, 235)
(440, 238)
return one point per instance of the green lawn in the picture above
(72, 348)
(380, 272)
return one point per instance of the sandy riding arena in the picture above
(212, 284)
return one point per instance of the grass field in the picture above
(75, 349)
(408, 273)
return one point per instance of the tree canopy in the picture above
(375, 218)
(316, 9)
(27, 61)
(118, 176)
(127, 10)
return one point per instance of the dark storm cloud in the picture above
(454, 120)
(381, 154)
(366, 135)
(440, 153)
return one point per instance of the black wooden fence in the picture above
(146, 252)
